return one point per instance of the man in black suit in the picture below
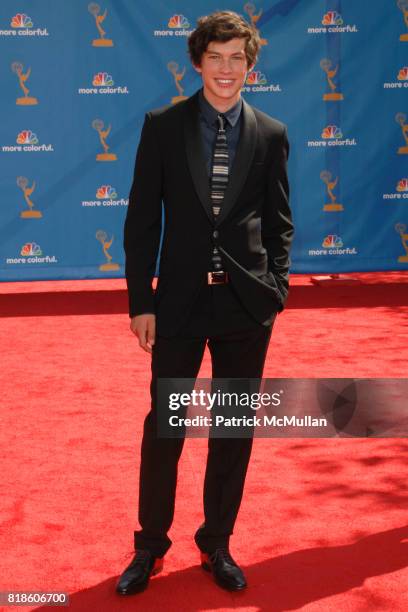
(219, 168)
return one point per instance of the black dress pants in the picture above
(238, 346)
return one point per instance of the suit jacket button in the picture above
(215, 234)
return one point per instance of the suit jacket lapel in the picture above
(242, 161)
(195, 155)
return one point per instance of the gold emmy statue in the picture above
(98, 125)
(94, 9)
(334, 96)
(173, 68)
(106, 245)
(403, 5)
(22, 78)
(330, 185)
(401, 229)
(22, 182)
(401, 118)
(249, 8)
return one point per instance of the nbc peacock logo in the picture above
(402, 185)
(332, 22)
(332, 136)
(103, 83)
(256, 78)
(106, 195)
(102, 79)
(256, 82)
(332, 241)
(332, 244)
(177, 22)
(403, 74)
(21, 24)
(21, 20)
(332, 18)
(27, 137)
(30, 248)
(400, 82)
(331, 131)
(31, 253)
(400, 193)
(106, 191)
(25, 141)
(177, 25)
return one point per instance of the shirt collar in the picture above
(210, 114)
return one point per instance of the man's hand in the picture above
(144, 327)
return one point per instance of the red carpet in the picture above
(323, 524)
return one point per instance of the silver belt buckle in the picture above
(217, 278)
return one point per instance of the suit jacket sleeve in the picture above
(277, 226)
(143, 222)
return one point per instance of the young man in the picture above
(219, 167)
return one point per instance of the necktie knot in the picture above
(221, 122)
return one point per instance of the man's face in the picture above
(224, 67)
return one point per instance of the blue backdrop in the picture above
(78, 77)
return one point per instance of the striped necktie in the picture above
(219, 179)
(219, 170)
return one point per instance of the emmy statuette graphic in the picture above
(173, 68)
(102, 237)
(401, 229)
(22, 182)
(401, 119)
(98, 125)
(330, 185)
(22, 78)
(333, 96)
(95, 9)
(249, 8)
(403, 5)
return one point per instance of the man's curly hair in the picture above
(223, 26)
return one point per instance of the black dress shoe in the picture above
(136, 576)
(226, 572)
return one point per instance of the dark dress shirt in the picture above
(209, 128)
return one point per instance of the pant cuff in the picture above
(209, 543)
(158, 546)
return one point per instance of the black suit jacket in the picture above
(253, 230)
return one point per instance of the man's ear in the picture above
(198, 68)
(250, 69)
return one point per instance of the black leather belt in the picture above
(217, 278)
